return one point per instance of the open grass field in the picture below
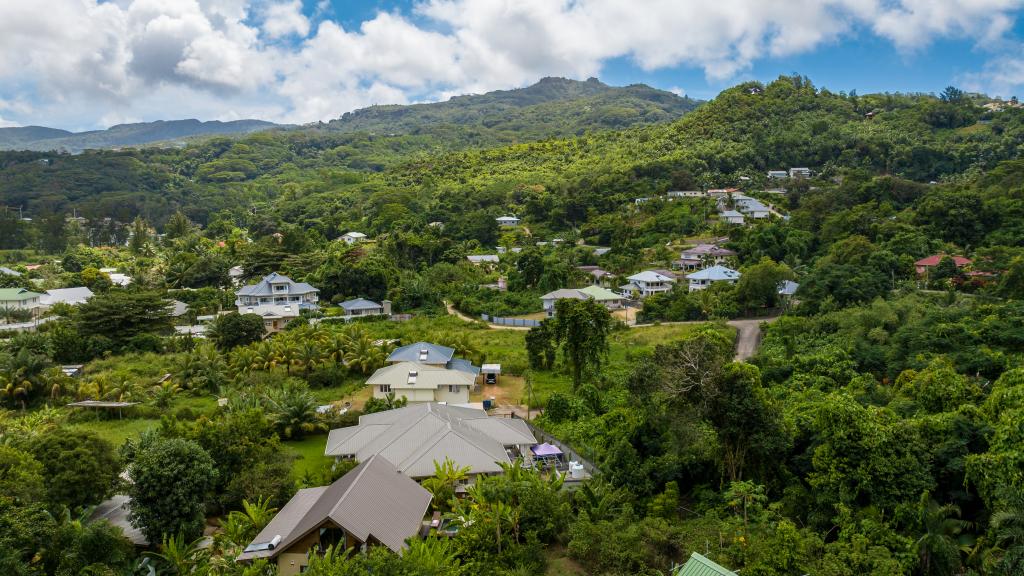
(308, 454)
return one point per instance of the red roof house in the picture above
(925, 263)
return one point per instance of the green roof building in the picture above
(698, 565)
(19, 298)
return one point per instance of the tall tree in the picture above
(171, 480)
(582, 328)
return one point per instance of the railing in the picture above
(518, 322)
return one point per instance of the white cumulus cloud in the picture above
(82, 63)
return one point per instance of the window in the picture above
(453, 388)
(281, 288)
(385, 388)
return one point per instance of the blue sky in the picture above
(87, 64)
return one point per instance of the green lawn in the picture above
(309, 454)
(117, 431)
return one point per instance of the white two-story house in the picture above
(646, 283)
(277, 298)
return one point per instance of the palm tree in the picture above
(179, 557)
(244, 359)
(293, 412)
(286, 354)
(1008, 528)
(308, 356)
(15, 390)
(242, 526)
(939, 547)
(163, 394)
(364, 355)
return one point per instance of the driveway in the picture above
(748, 336)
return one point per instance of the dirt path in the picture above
(748, 336)
(453, 312)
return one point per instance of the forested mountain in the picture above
(551, 107)
(123, 135)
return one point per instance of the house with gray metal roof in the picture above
(9, 272)
(703, 278)
(422, 382)
(19, 299)
(416, 436)
(71, 296)
(374, 504)
(277, 298)
(363, 307)
(433, 354)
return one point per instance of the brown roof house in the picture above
(373, 505)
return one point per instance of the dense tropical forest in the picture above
(875, 429)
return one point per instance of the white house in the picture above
(732, 217)
(647, 283)
(19, 299)
(478, 259)
(277, 298)
(799, 172)
(686, 194)
(702, 255)
(417, 382)
(353, 238)
(751, 207)
(235, 273)
(703, 278)
(507, 221)
(363, 307)
(777, 174)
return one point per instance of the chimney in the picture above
(387, 307)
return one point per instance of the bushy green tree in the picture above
(80, 468)
(171, 483)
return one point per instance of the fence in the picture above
(519, 322)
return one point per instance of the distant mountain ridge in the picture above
(44, 139)
(553, 107)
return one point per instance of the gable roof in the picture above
(563, 293)
(716, 272)
(360, 304)
(934, 260)
(8, 271)
(435, 353)
(432, 377)
(698, 565)
(353, 235)
(75, 295)
(17, 294)
(264, 287)
(416, 436)
(650, 276)
(373, 500)
(731, 214)
(477, 258)
(600, 294)
(788, 287)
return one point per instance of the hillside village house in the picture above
(363, 307)
(598, 276)
(732, 217)
(372, 505)
(777, 174)
(685, 194)
(925, 264)
(702, 279)
(9, 272)
(70, 296)
(703, 255)
(422, 383)
(353, 238)
(416, 436)
(609, 299)
(478, 259)
(278, 299)
(647, 283)
(19, 299)
(750, 207)
(432, 354)
(507, 221)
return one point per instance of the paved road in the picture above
(748, 336)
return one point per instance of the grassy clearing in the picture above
(308, 453)
(559, 563)
(117, 431)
